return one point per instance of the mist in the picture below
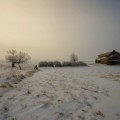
(54, 29)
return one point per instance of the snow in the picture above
(78, 93)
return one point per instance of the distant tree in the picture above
(74, 58)
(17, 57)
(11, 57)
(22, 57)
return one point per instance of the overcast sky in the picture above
(53, 29)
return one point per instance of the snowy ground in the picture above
(80, 93)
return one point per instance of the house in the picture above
(109, 58)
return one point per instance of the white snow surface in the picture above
(78, 93)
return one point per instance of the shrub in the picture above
(43, 64)
(80, 63)
(50, 64)
(59, 64)
(66, 64)
(73, 64)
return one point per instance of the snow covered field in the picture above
(78, 93)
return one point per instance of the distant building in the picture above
(109, 58)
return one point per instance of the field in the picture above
(68, 93)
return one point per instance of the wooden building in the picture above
(109, 58)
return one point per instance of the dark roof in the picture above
(108, 54)
(115, 55)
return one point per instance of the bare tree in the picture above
(11, 57)
(22, 57)
(17, 57)
(74, 58)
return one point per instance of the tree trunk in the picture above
(13, 64)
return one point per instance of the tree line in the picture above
(19, 58)
(74, 61)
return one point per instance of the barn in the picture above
(109, 58)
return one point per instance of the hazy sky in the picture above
(53, 29)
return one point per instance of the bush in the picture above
(59, 64)
(50, 64)
(73, 64)
(43, 64)
(66, 64)
(80, 63)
